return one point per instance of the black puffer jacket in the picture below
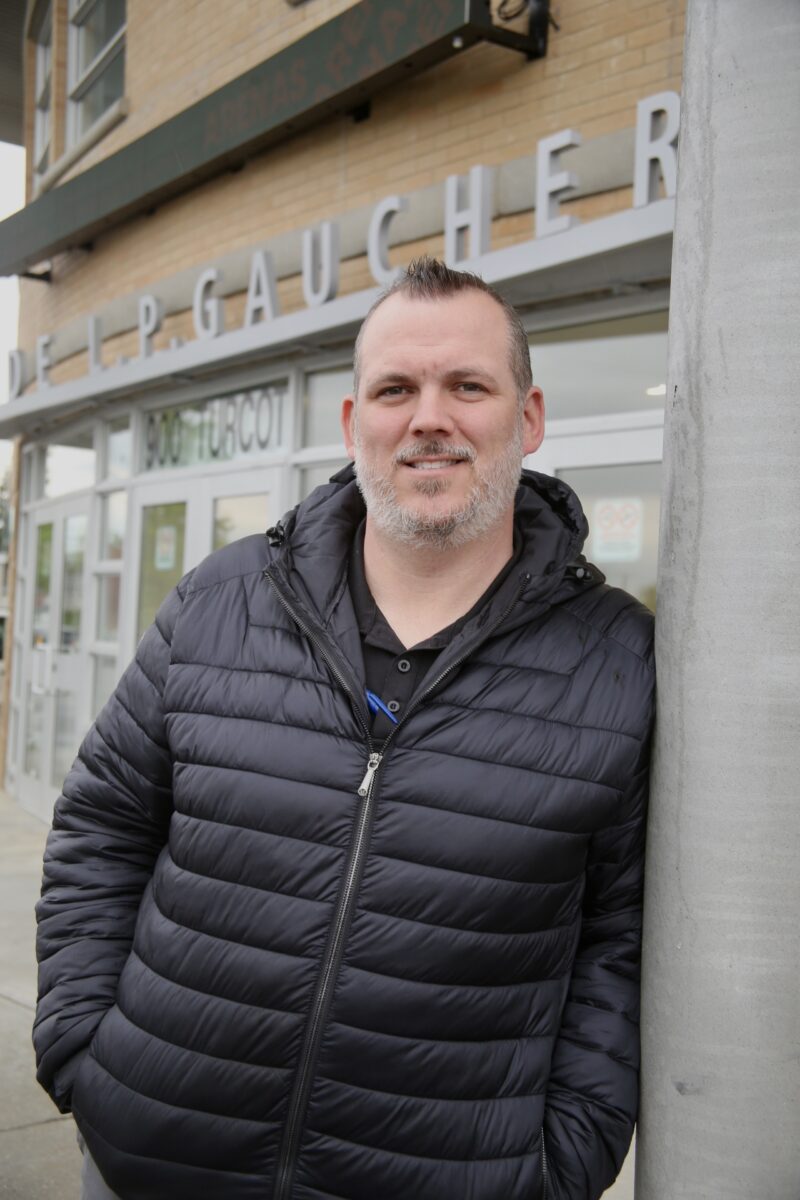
(272, 970)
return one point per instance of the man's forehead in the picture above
(403, 325)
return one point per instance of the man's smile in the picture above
(434, 464)
(435, 457)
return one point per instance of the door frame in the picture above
(600, 442)
(39, 795)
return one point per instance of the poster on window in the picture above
(616, 527)
(166, 547)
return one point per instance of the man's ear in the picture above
(348, 419)
(533, 420)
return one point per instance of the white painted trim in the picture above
(117, 112)
(646, 418)
(592, 239)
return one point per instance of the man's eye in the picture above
(395, 389)
(472, 387)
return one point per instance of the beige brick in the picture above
(670, 48)
(647, 35)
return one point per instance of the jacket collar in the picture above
(318, 535)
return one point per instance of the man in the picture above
(343, 893)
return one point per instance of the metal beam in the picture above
(331, 70)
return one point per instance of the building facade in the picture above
(216, 194)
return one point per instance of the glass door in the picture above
(161, 551)
(232, 508)
(55, 660)
(176, 524)
(616, 474)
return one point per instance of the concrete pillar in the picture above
(720, 1116)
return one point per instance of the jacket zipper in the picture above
(341, 918)
(328, 974)
(545, 1186)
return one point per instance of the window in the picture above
(220, 429)
(613, 366)
(119, 449)
(43, 98)
(322, 406)
(96, 61)
(69, 464)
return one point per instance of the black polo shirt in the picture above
(392, 672)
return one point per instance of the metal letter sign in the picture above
(548, 185)
(262, 293)
(206, 309)
(16, 373)
(656, 153)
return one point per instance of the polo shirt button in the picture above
(393, 706)
(403, 665)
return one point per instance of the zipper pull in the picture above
(372, 766)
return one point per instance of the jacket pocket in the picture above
(84, 1056)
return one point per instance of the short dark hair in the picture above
(427, 278)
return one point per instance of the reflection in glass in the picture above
(100, 95)
(105, 680)
(163, 535)
(221, 429)
(41, 595)
(119, 445)
(34, 734)
(72, 585)
(65, 736)
(313, 477)
(622, 504)
(237, 516)
(108, 607)
(605, 367)
(69, 464)
(322, 406)
(114, 516)
(104, 20)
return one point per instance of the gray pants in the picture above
(93, 1187)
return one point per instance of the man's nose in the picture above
(433, 411)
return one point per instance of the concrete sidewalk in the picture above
(39, 1158)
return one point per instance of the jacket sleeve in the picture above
(109, 826)
(592, 1095)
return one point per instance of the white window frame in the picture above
(79, 84)
(43, 98)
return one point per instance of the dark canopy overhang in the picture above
(333, 69)
(11, 78)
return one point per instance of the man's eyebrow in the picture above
(471, 372)
(389, 378)
(386, 379)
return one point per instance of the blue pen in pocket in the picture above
(375, 704)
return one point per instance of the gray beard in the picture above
(488, 501)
